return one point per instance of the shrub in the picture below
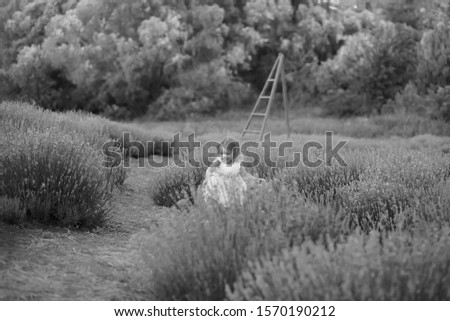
(194, 254)
(427, 209)
(172, 184)
(391, 63)
(261, 169)
(57, 178)
(344, 69)
(94, 129)
(346, 103)
(387, 187)
(372, 204)
(395, 267)
(12, 210)
(7, 88)
(413, 168)
(409, 101)
(434, 105)
(321, 184)
(22, 116)
(53, 167)
(442, 99)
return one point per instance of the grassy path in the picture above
(41, 263)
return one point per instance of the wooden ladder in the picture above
(274, 76)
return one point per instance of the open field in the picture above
(376, 229)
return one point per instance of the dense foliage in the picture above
(378, 267)
(374, 230)
(176, 59)
(53, 168)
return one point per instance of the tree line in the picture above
(174, 59)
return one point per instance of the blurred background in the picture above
(175, 60)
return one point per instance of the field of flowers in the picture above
(376, 229)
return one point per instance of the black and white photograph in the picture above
(291, 154)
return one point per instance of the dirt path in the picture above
(40, 263)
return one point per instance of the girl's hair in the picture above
(231, 147)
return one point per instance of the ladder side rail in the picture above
(285, 97)
(272, 94)
(274, 67)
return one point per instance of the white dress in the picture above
(225, 184)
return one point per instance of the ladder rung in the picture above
(252, 131)
(271, 79)
(259, 114)
(265, 97)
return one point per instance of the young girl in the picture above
(226, 182)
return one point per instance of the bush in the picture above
(395, 267)
(94, 129)
(194, 254)
(435, 104)
(391, 63)
(373, 205)
(172, 184)
(172, 101)
(427, 209)
(442, 99)
(321, 184)
(409, 101)
(387, 187)
(55, 172)
(346, 103)
(424, 168)
(7, 88)
(12, 210)
(22, 116)
(57, 178)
